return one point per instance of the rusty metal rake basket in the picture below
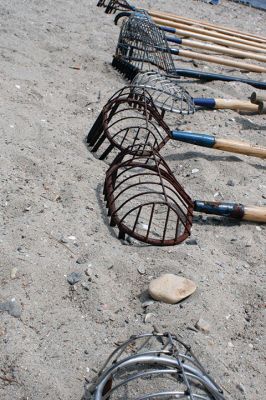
(153, 366)
(129, 118)
(145, 200)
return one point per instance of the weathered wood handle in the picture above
(223, 50)
(205, 38)
(223, 61)
(208, 33)
(256, 98)
(224, 104)
(235, 146)
(218, 28)
(254, 213)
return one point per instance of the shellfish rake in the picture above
(132, 118)
(153, 366)
(168, 95)
(143, 46)
(146, 202)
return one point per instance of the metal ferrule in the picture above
(232, 210)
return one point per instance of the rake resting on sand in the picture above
(167, 95)
(153, 366)
(146, 202)
(111, 6)
(142, 46)
(131, 118)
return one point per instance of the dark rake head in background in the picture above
(129, 119)
(153, 366)
(144, 199)
(111, 6)
(142, 44)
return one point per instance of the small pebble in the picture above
(82, 259)
(147, 303)
(13, 273)
(258, 228)
(240, 387)
(74, 277)
(195, 170)
(12, 307)
(141, 269)
(203, 325)
(230, 183)
(148, 317)
(85, 286)
(191, 242)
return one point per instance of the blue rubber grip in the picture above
(173, 39)
(204, 102)
(200, 139)
(167, 28)
(232, 210)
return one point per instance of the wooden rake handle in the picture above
(233, 146)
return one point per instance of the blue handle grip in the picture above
(207, 102)
(199, 139)
(232, 210)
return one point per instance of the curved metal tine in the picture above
(177, 395)
(117, 352)
(140, 375)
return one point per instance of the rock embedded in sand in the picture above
(203, 326)
(171, 288)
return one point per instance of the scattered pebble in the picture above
(71, 237)
(240, 387)
(12, 307)
(148, 317)
(13, 273)
(74, 277)
(203, 325)
(171, 288)
(230, 182)
(141, 269)
(192, 242)
(258, 228)
(147, 303)
(82, 259)
(195, 170)
(85, 286)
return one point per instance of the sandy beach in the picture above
(56, 75)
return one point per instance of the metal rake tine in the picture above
(98, 142)
(95, 130)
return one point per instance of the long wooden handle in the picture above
(223, 50)
(235, 146)
(207, 33)
(218, 28)
(228, 43)
(239, 105)
(206, 140)
(223, 61)
(254, 213)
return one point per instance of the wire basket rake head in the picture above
(167, 95)
(111, 6)
(153, 366)
(144, 199)
(128, 119)
(142, 44)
